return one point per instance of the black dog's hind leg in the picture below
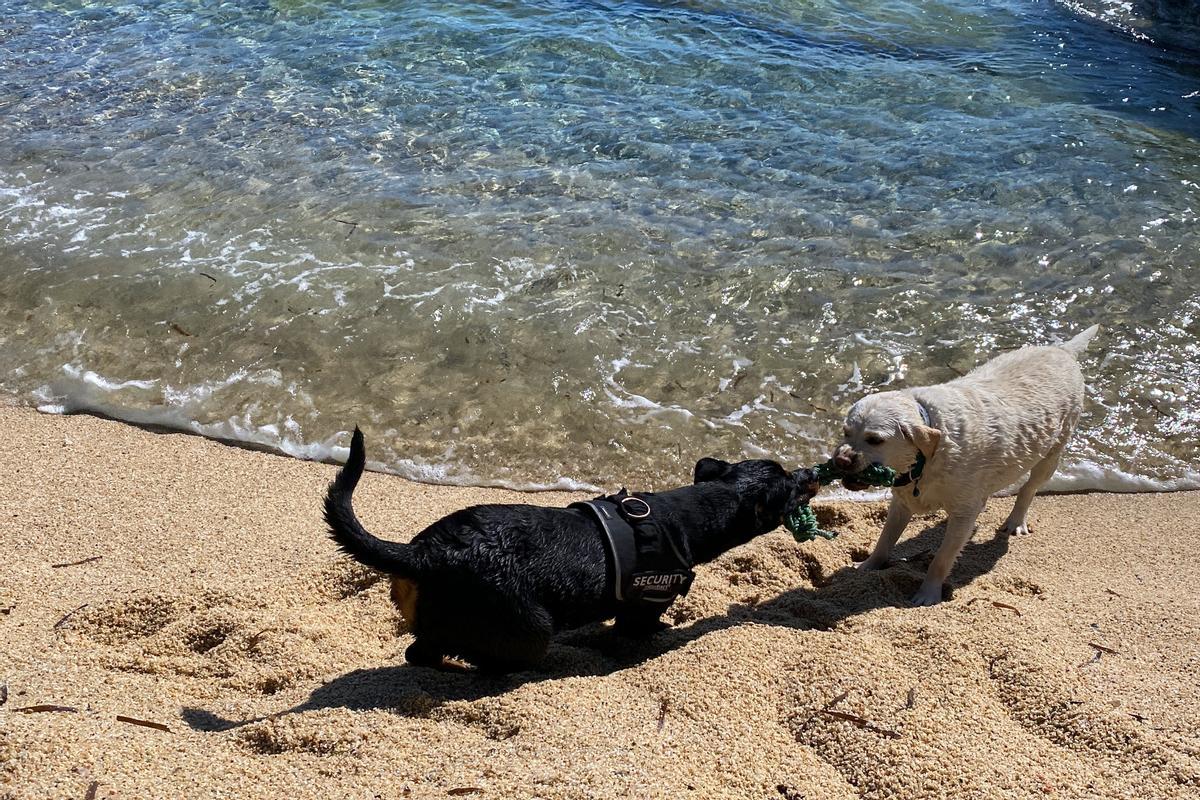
(422, 654)
(638, 623)
(518, 643)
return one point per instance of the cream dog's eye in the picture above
(874, 439)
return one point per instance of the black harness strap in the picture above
(914, 472)
(912, 476)
(649, 566)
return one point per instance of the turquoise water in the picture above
(563, 243)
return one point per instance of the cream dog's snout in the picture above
(844, 457)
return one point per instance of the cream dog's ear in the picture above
(923, 437)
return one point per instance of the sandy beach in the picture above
(175, 624)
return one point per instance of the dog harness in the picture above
(914, 472)
(913, 475)
(650, 567)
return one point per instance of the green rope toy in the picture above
(803, 521)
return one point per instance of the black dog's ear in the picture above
(710, 469)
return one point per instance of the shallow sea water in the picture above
(586, 243)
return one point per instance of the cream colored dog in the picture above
(957, 443)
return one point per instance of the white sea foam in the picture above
(80, 390)
(622, 398)
(83, 391)
(1089, 476)
(98, 382)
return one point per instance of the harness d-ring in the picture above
(639, 514)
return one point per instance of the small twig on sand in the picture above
(817, 713)
(3, 693)
(353, 225)
(179, 329)
(911, 700)
(91, 790)
(46, 708)
(1100, 651)
(861, 722)
(67, 616)
(158, 726)
(256, 638)
(662, 713)
(76, 563)
(210, 277)
(995, 603)
(1114, 594)
(465, 790)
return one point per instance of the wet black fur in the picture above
(496, 581)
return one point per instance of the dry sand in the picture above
(1066, 664)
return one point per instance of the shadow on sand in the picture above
(597, 650)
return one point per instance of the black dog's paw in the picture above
(635, 627)
(420, 654)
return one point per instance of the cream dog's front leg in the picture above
(959, 527)
(898, 517)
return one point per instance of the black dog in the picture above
(492, 583)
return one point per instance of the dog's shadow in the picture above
(598, 650)
(849, 591)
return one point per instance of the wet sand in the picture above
(188, 584)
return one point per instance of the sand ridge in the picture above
(1065, 665)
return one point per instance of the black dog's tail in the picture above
(353, 539)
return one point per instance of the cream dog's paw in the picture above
(1016, 527)
(872, 563)
(927, 596)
